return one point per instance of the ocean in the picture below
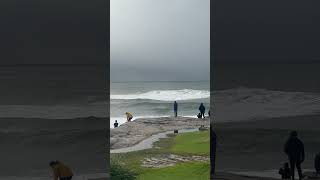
(52, 112)
(155, 99)
(254, 91)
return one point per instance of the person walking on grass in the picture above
(60, 171)
(202, 110)
(175, 108)
(294, 148)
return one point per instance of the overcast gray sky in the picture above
(160, 40)
(53, 32)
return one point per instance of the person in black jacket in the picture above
(294, 148)
(115, 124)
(175, 108)
(202, 110)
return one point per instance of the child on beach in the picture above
(285, 171)
(116, 124)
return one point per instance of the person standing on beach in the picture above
(294, 148)
(175, 108)
(60, 171)
(116, 124)
(202, 110)
(129, 116)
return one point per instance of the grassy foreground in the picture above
(186, 144)
(196, 143)
(186, 171)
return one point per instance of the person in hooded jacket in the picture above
(202, 110)
(294, 148)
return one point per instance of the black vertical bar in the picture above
(213, 139)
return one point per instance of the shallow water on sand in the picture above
(148, 143)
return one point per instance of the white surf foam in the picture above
(166, 95)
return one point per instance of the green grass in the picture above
(185, 171)
(192, 143)
(119, 172)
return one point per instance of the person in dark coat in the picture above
(115, 124)
(175, 108)
(294, 148)
(202, 110)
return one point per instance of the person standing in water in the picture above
(294, 148)
(175, 108)
(129, 116)
(202, 110)
(60, 171)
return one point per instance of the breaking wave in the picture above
(166, 95)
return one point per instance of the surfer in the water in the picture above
(60, 171)
(129, 116)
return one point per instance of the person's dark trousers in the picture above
(213, 147)
(66, 178)
(175, 113)
(202, 114)
(295, 163)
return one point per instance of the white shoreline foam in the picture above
(165, 95)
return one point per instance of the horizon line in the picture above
(159, 81)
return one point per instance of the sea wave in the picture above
(233, 104)
(166, 95)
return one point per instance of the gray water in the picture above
(44, 116)
(155, 99)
